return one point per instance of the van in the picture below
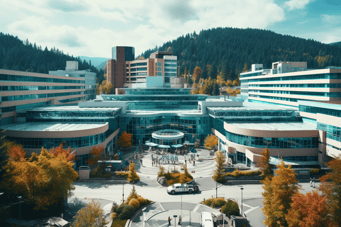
(206, 219)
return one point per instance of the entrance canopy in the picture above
(177, 145)
(168, 134)
(152, 144)
(164, 146)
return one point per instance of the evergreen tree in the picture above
(204, 72)
(213, 72)
(215, 91)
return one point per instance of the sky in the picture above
(92, 27)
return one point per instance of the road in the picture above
(252, 196)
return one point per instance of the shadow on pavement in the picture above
(72, 209)
(91, 184)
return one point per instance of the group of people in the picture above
(169, 220)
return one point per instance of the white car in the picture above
(182, 188)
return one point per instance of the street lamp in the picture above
(241, 201)
(19, 197)
(123, 194)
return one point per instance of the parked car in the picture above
(182, 188)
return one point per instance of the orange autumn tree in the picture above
(331, 187)
(95, 155)
(125, 139)
(196, 74)
(309, 210)
(15, 152)
(44, 180)
(60, 150)
(278, 192)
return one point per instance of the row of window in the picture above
(313, 109)
(251, 74)
(49, 143)
(37, 96)
(36, 88)
(262, 142)
(138, 74)
(138, 69)
(137, 64)
(276, 98)
(306, 77)
(38, 79)
(305, 93)
(330, 85)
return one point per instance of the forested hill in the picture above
(233, 47)
(24, 56)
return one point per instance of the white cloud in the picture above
(139, 23)
(296, 4)
(331, 19)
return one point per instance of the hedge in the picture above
(238, 173)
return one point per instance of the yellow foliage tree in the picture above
(210, 142)
(132, 176)
(278, 192)
(44, 180)
(219, 171)
(264, 163)
(109, 88)
(124, 139)
(91, 215)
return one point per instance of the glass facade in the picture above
(304, 93)
(37, 88)
(332, 132)
(142, 127)
(25, 97)
(49, 143)
(306, 77)
(330, 85)
(4, 77)
(321, 110)
(280, 143)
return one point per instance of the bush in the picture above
(231, 208)
(238, 173)
(161, 172)
(135, 203)
(142, 201)
(122, 174)
(99, 172)
(208, 202)
(127, 212)
(113, 215)
(218, 202)
(120, 209)
(114, 207)
(314, 171)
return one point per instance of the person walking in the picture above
(311, 182)
(169, 221)
(179, 220)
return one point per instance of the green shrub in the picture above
(238, 173)
(127, 212)
(120, 209)
(114, 207)
(122, 174)
(218, 202)
(208, 202)
(142, 201)
(230, 208)
(314, 171)
(135, 203)
(161, 172)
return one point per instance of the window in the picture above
(159, 69)
(159, 64)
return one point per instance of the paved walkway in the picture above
(157, 214)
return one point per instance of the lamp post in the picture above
(175, 220)
(216, 189)
(241, 201)
(123, 194)
(19, 197)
